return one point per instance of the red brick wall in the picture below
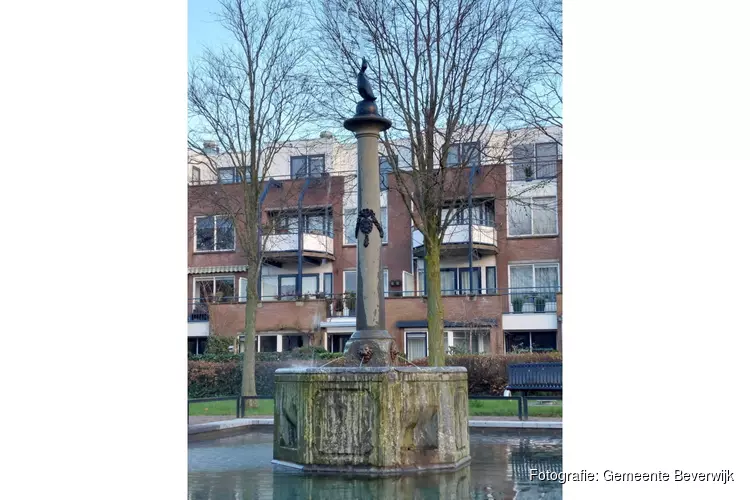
(229, 319)
(455, 308)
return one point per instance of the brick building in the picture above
(512, 300)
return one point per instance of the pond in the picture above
(239, 467)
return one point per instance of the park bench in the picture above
(534, 377)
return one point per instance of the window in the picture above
(491, 279)
(465, 286)
(385, 282)
(197, 345)
(416, 345)
(530, 281)
(328, 284)
(217, 288)
(532, 216)
(350, 281)
(232, 175)
(288, 285)
(466, 153)
(530, 341)
(454, 281)
(535, 161)
(482, 213)
(214, 233)
(269, 287)
(307, 166)
(467, 342)
(313, 222)
(385, 169)
(350, 224)
(196, 174)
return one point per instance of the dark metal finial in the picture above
(363, 84)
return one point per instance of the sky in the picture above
(203, 30)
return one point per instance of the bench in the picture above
(528, 377)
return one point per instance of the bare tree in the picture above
(539, 89)
(445, 71)
(249, 98)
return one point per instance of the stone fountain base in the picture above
(381, 420)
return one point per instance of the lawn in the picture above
(477, 408)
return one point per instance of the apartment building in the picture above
(501, 256)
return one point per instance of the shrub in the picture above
(219, 345)
(488, 374)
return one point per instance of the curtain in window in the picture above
(546, 281)
(350, 223)
(269, 287)
(544, 215)
(416, 346)
(309, 285)
(519, 218)
(447, 282)
(465, 288)
(491, 282)
(521, 279)
(288, 288)
(384, 222)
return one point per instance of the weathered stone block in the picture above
(376, 420)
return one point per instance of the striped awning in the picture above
(217, 269)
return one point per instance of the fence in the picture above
(522, 403)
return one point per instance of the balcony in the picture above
(530, 308)
(456, 241)
(197, 319)
(284, 246)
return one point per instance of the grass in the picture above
(477, 408)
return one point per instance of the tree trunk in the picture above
(248, 359)
(435, 344)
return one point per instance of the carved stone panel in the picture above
(343, 421)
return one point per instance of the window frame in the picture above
(196, 178)
(307, 159)
(534, 286)
(530, 334)
(213, 278)
(343, 280)
(490, 290)
(407, 333)
(533, 162)
(461, 146)
(214, 250)
(531, 215)
(304, 275)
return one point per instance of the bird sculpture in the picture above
(363, 84)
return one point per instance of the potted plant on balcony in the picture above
(539, 304)
(338, 307)
(529, 172)
(517, 301)
(351, 302)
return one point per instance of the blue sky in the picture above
(203, 30)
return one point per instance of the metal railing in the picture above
(522, 403)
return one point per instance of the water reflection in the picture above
(239, 467)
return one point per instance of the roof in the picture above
(217, 269)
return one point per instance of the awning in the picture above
(217, 269)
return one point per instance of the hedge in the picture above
(301, 354)
(487, 374)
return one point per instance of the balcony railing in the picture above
(459, 234)
(289, 242)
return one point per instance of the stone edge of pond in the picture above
(239, 423)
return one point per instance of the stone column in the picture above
(371, 344)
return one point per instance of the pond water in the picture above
(239, 467)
